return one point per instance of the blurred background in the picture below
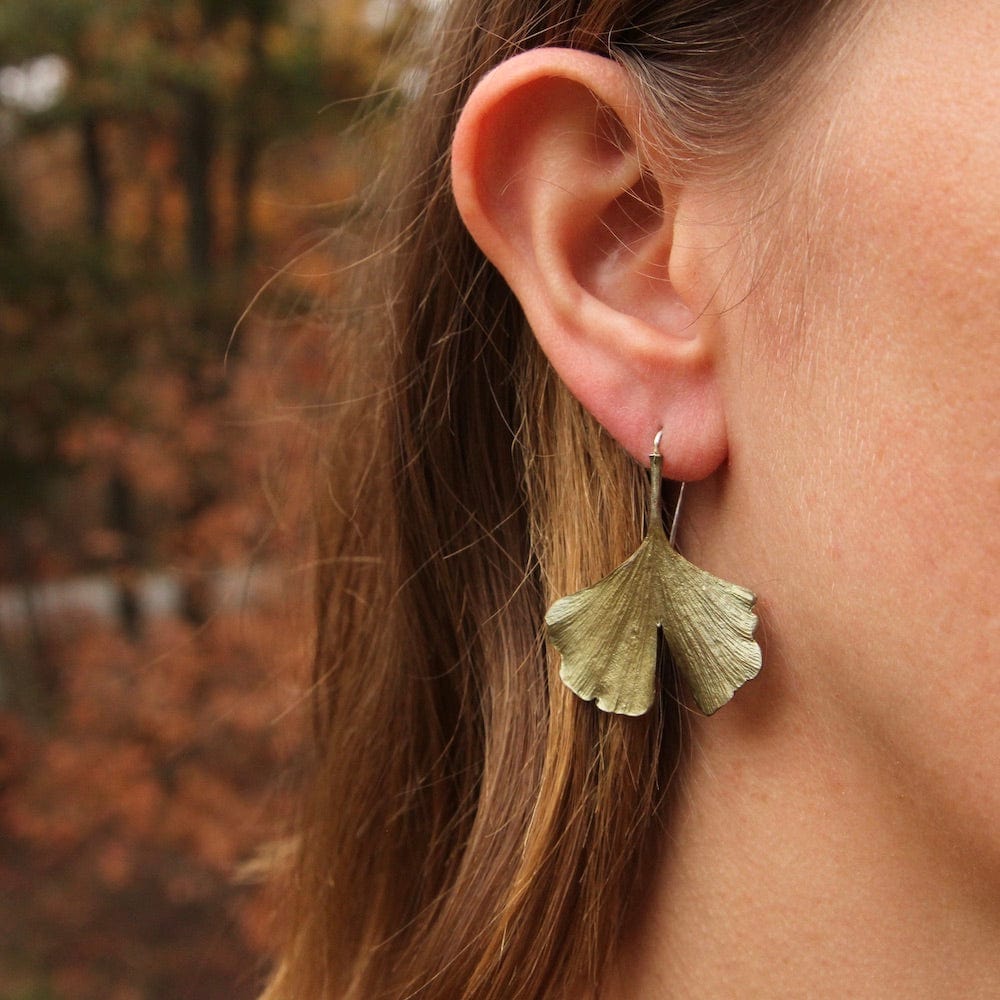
(163, 164)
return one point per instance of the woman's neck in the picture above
(793, 866)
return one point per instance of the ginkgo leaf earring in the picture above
(607, 634)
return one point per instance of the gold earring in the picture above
(607, 634)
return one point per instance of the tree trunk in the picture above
(98, 188)
(248, 143)
(197, 154)
(121, 520)
(244, 176)
(30, 681)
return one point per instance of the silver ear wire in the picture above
(680, 493)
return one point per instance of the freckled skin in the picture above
(891, 424)
(850, 796)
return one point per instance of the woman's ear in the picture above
(550, 180)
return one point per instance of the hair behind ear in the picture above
(470, 829)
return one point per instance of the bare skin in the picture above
(837, 832)
(827, 368)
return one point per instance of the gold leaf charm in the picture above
(607, 634)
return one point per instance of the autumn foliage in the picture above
(155, 451)
(126, 822)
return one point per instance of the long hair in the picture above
(470, 829)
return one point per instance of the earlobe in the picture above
(550, 178)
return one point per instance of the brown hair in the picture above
(471, 829)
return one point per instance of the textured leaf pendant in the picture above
(607, 634)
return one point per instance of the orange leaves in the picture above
(157, 458)
(152, 787)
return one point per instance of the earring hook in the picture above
(656, 459)
(609, 635)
